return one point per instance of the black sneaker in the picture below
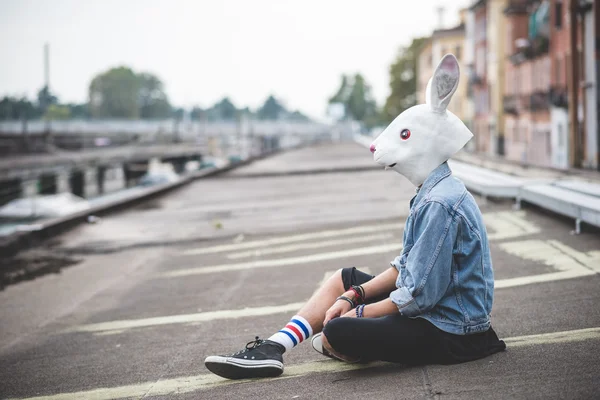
(260, 359)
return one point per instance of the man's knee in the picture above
(334, 331)
(336, 280)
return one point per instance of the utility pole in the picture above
(573, 85)
(589, 83)
(47, 127)
(440, 11)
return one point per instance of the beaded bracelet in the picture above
(349, 300)
(359, 311)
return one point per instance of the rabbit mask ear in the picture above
(443, 84)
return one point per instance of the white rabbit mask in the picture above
(426, 135)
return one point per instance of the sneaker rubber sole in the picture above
(234, 368)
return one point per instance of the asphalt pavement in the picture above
(205, 269)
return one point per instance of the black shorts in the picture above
(401, 339)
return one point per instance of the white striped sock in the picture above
(294, 333)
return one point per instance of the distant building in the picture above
(441, 42)
(551, 92)
(478, 80)
(496, 62)
(526, 101)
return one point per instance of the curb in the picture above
(12, 244)
(306, 172)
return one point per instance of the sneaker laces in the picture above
(254, 344)
(250, 346)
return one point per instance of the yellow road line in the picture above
(187, 384)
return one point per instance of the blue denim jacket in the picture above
(445, 269)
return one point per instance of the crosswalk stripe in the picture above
(188, 384)
(504, 224)
(548, 277)
(295, 238)
(509, 224)
(285, 261)
(313, 245)
(122, 325)
(569, 262)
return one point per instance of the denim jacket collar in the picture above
(433, 179)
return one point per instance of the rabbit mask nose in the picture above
(372, 148)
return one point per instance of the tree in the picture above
(271, 110)
(403, 80)
(355, 96)
(152, 99)
(178, 113)
(298, 116)
(342, 94)
(45, 99)
(224, 110)
(115, 94)
(78, 111)
(360, 103)
(197, 114)
(121, 93)
(57, 112)
(16, 109)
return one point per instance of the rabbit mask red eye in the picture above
(405, 134)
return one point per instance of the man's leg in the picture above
(263, 358)
(309, 319)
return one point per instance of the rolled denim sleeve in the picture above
(426, 274)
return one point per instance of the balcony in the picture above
(475, 79)
(539, 101)
(510, 105)
(559, 97)
(528, 49)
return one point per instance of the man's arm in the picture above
(383, 283)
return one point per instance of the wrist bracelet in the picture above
(359, 311)
(349, 300)
(359, 293)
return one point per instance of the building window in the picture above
(558, 14)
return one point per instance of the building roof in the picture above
(476, 4)
(517, 7)
(449, 31)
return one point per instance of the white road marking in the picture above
(509, 224)
(528, 280)
(569, 262)
(123, 325)
(296, 238)
(506, 224)
(302, 246)
(285, 261)
(188, 384)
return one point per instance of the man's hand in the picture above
(339, 308)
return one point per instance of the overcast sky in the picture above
(204, 50)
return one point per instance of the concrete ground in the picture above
(160, 287)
